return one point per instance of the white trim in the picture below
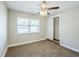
(50, 38)
(76, 50)
(17, 44)
(5, 52)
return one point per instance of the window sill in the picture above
(28, 33)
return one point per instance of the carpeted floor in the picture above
(43, 48)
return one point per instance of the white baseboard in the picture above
(76, 50)
(5, 52)
(12, 45)
(50, 38)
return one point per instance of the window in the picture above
(27, 26)
(34, 26)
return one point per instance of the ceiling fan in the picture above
(44, 8)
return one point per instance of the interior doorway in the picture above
(56, 29)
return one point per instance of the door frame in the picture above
(59, 15)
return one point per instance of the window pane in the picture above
(34, 22)
(21, 21)
(23, 29)
(27, 26)
(22, 26)
(34, 26)
(34, 29)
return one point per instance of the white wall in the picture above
(69, 28)
(49, 28)
(3, 28)
(15, 39)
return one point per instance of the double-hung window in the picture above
(25, 25)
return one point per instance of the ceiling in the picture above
(33, 7)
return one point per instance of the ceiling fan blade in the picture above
(53, 8)
(48, 13)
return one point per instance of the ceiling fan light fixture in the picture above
(43, 12)
(43, 8)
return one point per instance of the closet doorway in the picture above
(56, 29)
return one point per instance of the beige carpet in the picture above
(44, 48)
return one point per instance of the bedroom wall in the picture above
(3, 29)
(69, 28)
(14, 38)
(49, 27)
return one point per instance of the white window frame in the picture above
(29, 26)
